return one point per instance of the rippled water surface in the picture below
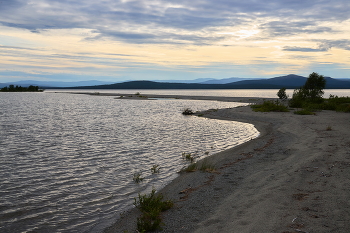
(67, 161)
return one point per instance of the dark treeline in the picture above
(12, 88)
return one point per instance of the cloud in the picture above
(301, 49)
(150, 21)
(16, 47)
(285, 28)
(341, 44)
(324, 45)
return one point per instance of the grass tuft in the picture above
(151, 206)
(205, 167)
(188, 156)
(155, 169)
(138, 177)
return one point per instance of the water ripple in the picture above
(68, 160)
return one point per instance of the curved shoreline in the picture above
(282, 181)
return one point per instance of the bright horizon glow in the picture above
(117, 41)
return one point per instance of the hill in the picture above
(291, 81)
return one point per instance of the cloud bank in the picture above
(273, 28)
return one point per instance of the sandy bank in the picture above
(294, 178)
(153, 96)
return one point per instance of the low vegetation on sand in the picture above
(187, 111)
(151, 206)
(270, 106)
(309, 98)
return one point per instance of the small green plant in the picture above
(269, 106)
(329, 128)
(155, 169)
(137, 93)
(205, 167)
(304, 112)
(188, 156)
(138, 177)
(151, 206)
(187, 111)
(190, 168)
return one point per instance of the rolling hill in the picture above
(291, 81)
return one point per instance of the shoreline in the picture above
(186, 97)
(293, 178)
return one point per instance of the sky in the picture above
(119, 40)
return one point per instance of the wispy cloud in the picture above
(104, 34)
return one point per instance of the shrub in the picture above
(270, 106)
(311, 92)
(340, 104)
(282, 94)
(187, 111)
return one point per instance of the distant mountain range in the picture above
(49, 84)
(26, 83)
(203, 81)
(291, 81)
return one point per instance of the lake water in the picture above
(67, 161)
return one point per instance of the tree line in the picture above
(12, 88)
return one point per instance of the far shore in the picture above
(295, 177)
(154, 96)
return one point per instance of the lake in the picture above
(68, 161)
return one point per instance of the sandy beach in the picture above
(295, 177)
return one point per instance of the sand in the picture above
(295, 177)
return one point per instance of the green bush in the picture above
(269, 106)
(340, 104)
(187, 111)
(311, 92)
(282, 94)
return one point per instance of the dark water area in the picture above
(67, 161)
